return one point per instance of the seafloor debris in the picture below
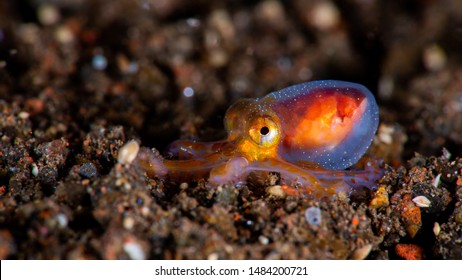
(79, 79)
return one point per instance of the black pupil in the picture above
(264, 130)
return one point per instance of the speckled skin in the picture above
(308, 133)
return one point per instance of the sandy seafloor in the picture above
(78, 79)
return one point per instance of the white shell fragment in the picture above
(436, 181)
(446, 154)
(313, 216)
(385, 134)
(361, 253)
(34, 169)
(62, 220)
(134, 250)
(421, 201)
(128, 152)
(436, 228)
(23, 115)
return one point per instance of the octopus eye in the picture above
(264, 132)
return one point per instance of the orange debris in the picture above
(289, 190)
(409, 251)
(410, 215)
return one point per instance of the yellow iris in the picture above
(264, 132)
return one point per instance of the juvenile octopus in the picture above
(309, 133)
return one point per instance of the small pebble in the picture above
(64, 35)
(212, 257)
(305, 74)
(325, 15)
(48, 14)
(99, 62)
(120, 181)
(48, 176)
(313, 216)
(145, 211)
(128, 152)
(126, 66)
(128, 223)
(458, 215)
(218, 58)
(421, 201)
(386, 87)
(193, 22)
(434, 58)
(271, 11)
(263, 240)
(88, 170)
(276, 191)
(380, 199)
(188, 92)
(184, 186)
(290, 206)
(221, 20)
(127, 186)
